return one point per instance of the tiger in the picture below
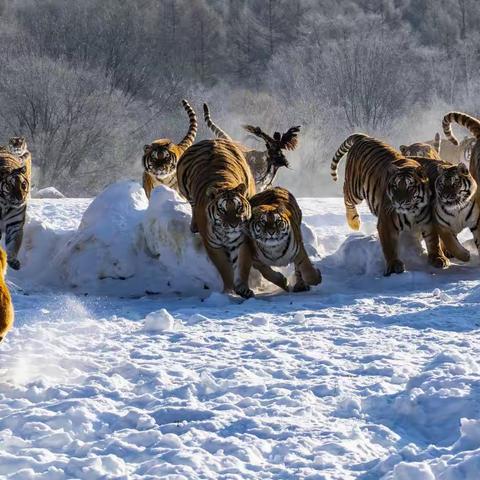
(18, 147)
(454, 204)
(160, 157)
(397, 191)
(264, 164)
(471, 124)
(14, 194)
(423, 149)
(6, 306)
(215, 178)
(276, 239)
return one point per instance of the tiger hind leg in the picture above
(353, 218)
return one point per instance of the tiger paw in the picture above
(462, 254)
(439, 261)
(316, 278)
(244, 291)
(395, 266)
(354, 223)
(14, 263)
(301, 287)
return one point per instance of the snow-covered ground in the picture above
(126, 363)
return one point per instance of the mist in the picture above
(89, 83)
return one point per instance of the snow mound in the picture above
(159, 321)
(126, 245)
(48, 192)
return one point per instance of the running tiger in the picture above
(14, 191)
(423, 149)
(215, 178)
(264, 164)
(397, 191)
(6, 307)
(276, 239)
(454, 204)
(160, 158)
(474, 126)
(18, 147)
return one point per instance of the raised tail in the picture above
(218, 132)
(436, 143)
(192, 129)
(462, 119)
(343, 150)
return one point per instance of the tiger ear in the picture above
(146, 148)
(462, 169)
(211, 193)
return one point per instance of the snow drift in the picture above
(125, 245)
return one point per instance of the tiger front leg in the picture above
(436, 256)
(13, 242)
(242, 262)
(451, 243)
(271, 275)
(222, 263)
(389, 235)
(305, 273)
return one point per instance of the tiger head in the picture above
(14, 187)
(455, 186)
(229, 208)
(269, 226)
(159, 158)
(17, 146)
(277, 144)
(408, 190)
(419, 150)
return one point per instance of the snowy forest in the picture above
(90, 82)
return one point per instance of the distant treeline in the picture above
(89, 82)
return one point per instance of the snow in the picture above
(126, 361)
(48, 192)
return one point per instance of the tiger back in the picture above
(215, 178)
(396, 190)
(276, 239)
(14, 194)
(426, 150)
